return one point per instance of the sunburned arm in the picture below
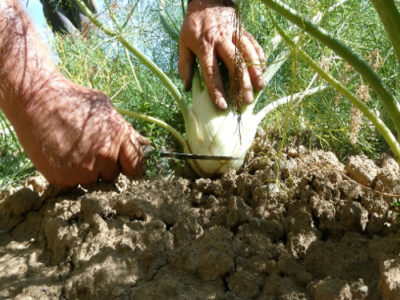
(25, 66)
(72, 134)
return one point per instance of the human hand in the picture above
(208, 33)
(73, 135)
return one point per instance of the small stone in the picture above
(273, 188)
(391, 165)
(350, 189)
(292, 152)
(37, 183)
(362, 170)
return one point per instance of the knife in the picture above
(148, 150)
(196, 156)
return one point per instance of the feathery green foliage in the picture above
(14, 164)
(324, 120)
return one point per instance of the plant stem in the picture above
(112, 15)
(171, 130)
(133, 70)
(382, 128)
(390, 18)
(171, 32)
(126, 51)
(183, 8)
(143, 58)
(375, 81)
(284, 54)
(286, 100)
(130, 14)
(158, 122)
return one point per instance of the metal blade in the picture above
(149, 150)
(196, 156)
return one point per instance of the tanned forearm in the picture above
(25, 65)
(72, 134)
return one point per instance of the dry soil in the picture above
(324, 230)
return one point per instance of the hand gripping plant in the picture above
(210, 131)
(214, 132)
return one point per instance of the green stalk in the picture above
(133, 70)
(156, 71)
(286, 100)
(112, 15)
(126, 51)
(183, 9)
(284, 54)
(170, 129)
(375, 81)
(143, 58)
(382, 128)
(271, 71)
(390, 18)
(158, 122)
(171, 32)
(130, 14)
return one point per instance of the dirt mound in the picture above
(316, 233)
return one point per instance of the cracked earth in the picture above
(324, 230)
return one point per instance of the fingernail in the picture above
(260, 79)
(260, 83)
(249, 97)
(221, 103)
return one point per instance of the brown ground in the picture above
(317, 234)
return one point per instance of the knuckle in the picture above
(86, 168)
(210, 71)
(247, 87)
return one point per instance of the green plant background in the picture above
(94, 60)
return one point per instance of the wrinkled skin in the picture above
(208, 33)
(79, 137)
(72, 134)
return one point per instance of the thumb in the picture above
(131, 155)
(186, 64)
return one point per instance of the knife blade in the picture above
(196, 156)
(149, 150)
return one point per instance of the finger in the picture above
(68, 181)
(66, 188)
(63, 185)
(110, 172)
(258, 48)
(86, 186)
(253, 62)
(248, 88)
(131, 157)
(227, 51)
(186, 65)
(107, 164)
(89, 175)
(141, 139)
(212, 78)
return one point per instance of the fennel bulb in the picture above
(211, 131)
